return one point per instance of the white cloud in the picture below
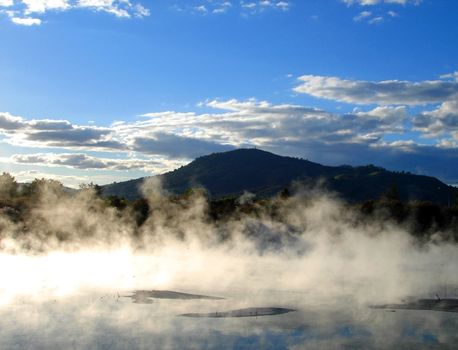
(362, 15)
(119, 8)
(361, 2)
(383, 119)
(377, 2)
(258, 6)
(243, 7)
(453, 76)
(187, 135)
(55, 133)
(140, 11)
(160, 141)
(378, 15)
(86, 162)
(31, 12)
(222, 7)
(368, 17)
(10, 122)
(442, 120)
(41, 6)
(284, 5)
(260, 123)
(233, 124)
(6, 3)
(376, 20)
(381, 92)
(27, 21)
(248, 5)
(201, 8)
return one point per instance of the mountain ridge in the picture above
(266, 174)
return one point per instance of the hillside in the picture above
(265, 174)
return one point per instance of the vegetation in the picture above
(424, 220)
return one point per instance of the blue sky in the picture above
(104, 90)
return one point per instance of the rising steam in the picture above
(309, 243)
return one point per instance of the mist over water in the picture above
(68, 271)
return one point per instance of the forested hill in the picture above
(266, 174)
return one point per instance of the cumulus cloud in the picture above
(30, 12)
(242, 122)
(120, 8)
(84, 161)
(286, 129)
(443, 119)
(50, 124)
(80, 135)
(177, 146)
(41, 6)
(187, 135)
(450, 76)
(10, 122)
(441, 122)
(243, 7)
(382, 119)
(55, 133)
(378, 92)
(26, 21)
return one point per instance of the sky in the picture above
(109, 90)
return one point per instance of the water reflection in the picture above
(438, 304)
(147, 296)
(107, 321)
(247, 312)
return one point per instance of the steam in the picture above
(310, 243)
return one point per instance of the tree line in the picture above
(421, 219)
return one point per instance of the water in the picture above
(111, 320)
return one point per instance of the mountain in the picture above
(266, 174)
